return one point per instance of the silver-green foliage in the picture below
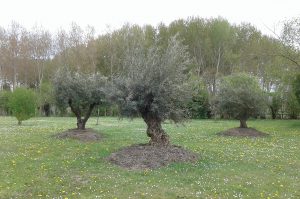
(81, 89)
(82, 92)
(154, 82)
(240, 97)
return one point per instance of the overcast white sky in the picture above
(54, 14)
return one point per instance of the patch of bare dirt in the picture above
(243, 132)
(145, 156)
(87, 135)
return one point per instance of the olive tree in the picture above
(22, 104)
(154, 87)
(240, 97)
(81, 92)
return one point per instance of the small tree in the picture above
(241, 97)
(22, 104)
(81, 92)
(153, 87)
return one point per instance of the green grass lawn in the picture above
(35, 165)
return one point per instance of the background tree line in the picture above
(30, 58)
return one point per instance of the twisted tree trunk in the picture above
(243, 124)
(81, 121)
(157, 135)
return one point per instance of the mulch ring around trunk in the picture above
(243, 132)
(86, 135)
(145, 156)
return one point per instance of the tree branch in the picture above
(89, 112)
(76, 112)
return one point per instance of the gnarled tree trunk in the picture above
(80, 123)
(243, 124)
(157, 135)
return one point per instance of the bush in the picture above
(22, 104)
(199, 107)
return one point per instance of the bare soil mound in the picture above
(243, 132)
(145, 156)
(87, 135)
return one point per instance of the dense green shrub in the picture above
(22, 104)
(199, 106)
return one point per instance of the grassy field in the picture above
(35, 165)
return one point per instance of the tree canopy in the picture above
(240, 97)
